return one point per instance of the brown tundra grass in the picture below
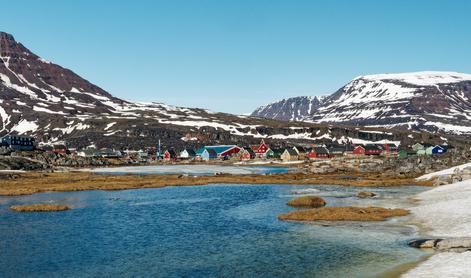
(343, 214)
(307, 202)
(39, 208)
(36, 182)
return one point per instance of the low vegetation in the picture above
(343, 214)
(307, 202)
(36, 182)
(39, 208)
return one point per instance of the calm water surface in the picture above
(199, 231)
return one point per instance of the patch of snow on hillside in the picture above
(25, 126)
(424, 78)
(45, 110)
(109, 125)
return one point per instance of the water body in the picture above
(196, 170)
(199, 231)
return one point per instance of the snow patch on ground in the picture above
(445, 212)
(448, 171)
(445, 264)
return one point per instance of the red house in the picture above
(318, 152)
(359, 150)
(373, 150)
(230, 152)
(260, 150)
(170, 155)
(60, 149)
(247, 154)
(390, 149)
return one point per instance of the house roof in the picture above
(321, 150)
(190, 152)
(60, 146)
(250, 151)
(372, 148)
(336, 149)
(277, 150)
(212, 152)
(291, 151)
(171, 152)
(220, 149)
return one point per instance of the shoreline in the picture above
(38, 182)
(443, 212)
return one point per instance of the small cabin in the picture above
(336, 151)
(187, 154)
(274, 153)
(289, 154)
(90, 152)
(19, 143)
(435, 150)
(318, 152)
(421, 147)
(373, 150)
(247, 154)
(261, 149)
(359, 150)
(406, 153)
(208, 154)
(169, 155)
(108, 153)
(60, 149)
(390, 149)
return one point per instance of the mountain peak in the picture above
(6, 36)
(422, 78)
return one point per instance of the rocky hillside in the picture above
(54, 104)
(289, 109)
(421, 101)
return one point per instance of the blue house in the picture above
(19, 143)
(438, 150)
(207, 154)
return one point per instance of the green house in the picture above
(406, 153)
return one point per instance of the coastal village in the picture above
(258, 152)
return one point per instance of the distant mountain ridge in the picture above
(420, 101)
(54, 104)
(290, 109)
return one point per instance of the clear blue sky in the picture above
(233, 56)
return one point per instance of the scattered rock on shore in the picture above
(307, 202)
(365, 194)
(461, 244)
(39, 208)
(343, 214)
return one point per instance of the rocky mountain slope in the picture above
(421, 101)
(54, 104)
(289, 109)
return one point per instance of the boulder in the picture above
(308, 202)
(366, 194)
(447, 244)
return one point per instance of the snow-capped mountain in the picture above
(289, 109)
(421, 101)
(54, 104)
